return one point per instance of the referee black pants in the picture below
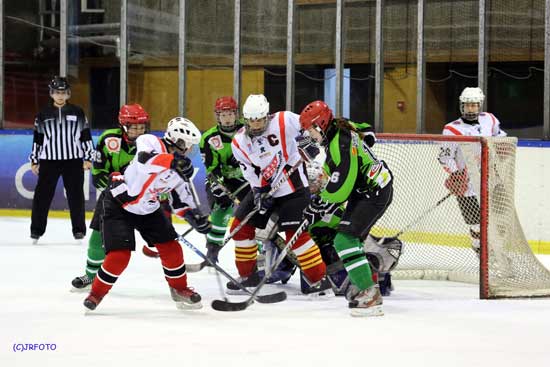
(73, 179)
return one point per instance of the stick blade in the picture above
(271, 298)
(226, 306)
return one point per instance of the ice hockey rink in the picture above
(426, 323)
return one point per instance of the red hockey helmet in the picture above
(226, 123)
(225, 104)
(316, 113)
(132, 114)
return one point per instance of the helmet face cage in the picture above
(256, 108)
(383, 252)
(316, 177)
(132, 115)
(226, 104)
(471, 95)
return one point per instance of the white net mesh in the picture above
(442, 232)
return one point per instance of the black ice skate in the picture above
(186, 298)
(92, 301)
(251, 281)
(82, 283)
(35, 238)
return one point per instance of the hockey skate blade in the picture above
(188, 306)
(81, 290)
(367, 312)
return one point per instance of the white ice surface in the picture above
(426, 323)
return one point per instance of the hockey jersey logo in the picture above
(113, 144)
(216, 142)
(271, 168)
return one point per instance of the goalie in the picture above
(471, 123)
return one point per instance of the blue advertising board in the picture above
(17, 182)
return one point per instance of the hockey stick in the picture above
(268, 298)
(193, 268)
(420, 217)
(220, 305)
(274, 188)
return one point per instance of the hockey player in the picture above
(383, 254)
(131, 202)
(223, 172)
(266, 149)
(358, 177)
(473, 122)
(115, 150)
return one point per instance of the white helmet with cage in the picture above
(383, 253)
(316, 176)
(255, 109)
(471, 95)
(182, 133)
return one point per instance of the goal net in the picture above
(440, 230)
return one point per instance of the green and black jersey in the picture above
(351, 164)
(113, 154)
(217, 155)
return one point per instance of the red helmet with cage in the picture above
(225, 104)
(316, 113)
(132, 114)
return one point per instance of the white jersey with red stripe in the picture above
(451, 155)
(487, 125)
(264, 159)
(148, 176)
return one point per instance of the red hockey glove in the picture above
(457, 183)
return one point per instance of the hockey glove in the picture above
(220, 196)
(307, 147)
(263, 201)
(182, 165)
(317, 209)
(115, 180)
(198, 221)
(457, 183)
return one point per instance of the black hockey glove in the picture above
(220, 196)
(263, 201)
(198, 221)
(307, 147)
(182, 165)
(317, 209)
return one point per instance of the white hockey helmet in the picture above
(471, 95)
(256, 110)
(182, 133)
(383, 253)
(316, 177)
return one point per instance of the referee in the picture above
(62, 146)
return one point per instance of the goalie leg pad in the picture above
(469, 208)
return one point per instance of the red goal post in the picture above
(438, 229)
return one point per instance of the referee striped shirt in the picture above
(61, 134)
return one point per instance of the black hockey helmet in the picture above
(59, 83)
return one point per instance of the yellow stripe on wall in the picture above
(441, 239)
